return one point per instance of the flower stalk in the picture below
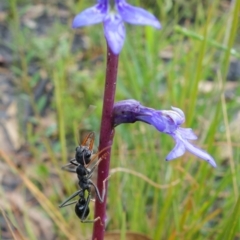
(113, 20)
(106, 137)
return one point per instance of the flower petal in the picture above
(199, 153)
(92, 15)
(183, 145)
(136, 15)
(114, 32)
(187, 133)
(177, 151)
(180, 112)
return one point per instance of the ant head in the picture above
(83, 155)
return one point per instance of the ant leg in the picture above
(86, 205)
(90, 171)
(74, 162)
(64, 204)
(97, 154)
(101, 198)
(93, 221)
(67, 168)
(95, 165)
(93, 168)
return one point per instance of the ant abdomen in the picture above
(81, 210)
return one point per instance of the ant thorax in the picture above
(82, 171)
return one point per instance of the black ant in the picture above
(80, 162)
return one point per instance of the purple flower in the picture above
(166, 121)
(114, 29)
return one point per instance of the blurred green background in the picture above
(52, 80)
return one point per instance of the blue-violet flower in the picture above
(114, 29)
(166, 121)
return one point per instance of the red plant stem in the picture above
(106, 137)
